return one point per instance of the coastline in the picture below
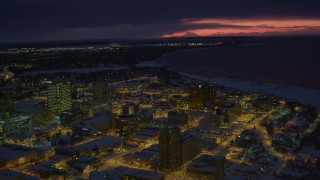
(304, 94)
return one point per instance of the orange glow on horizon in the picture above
(258, 22)
(247, 26)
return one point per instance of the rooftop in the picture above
(8, 174)
(188, 134)
(72, 111)
(101, 118)
(110, 141)
(15, 119)
(8, 152)
(204, 163)
(228, 105)
(29, 105)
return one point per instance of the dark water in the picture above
(289, 61)
(289, 67)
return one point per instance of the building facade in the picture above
(59, 97)
(14, 125)
(201, 95)
(101, 93)
(170, 147)
(126, 126)
(6, 103)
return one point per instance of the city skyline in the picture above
(159, 90)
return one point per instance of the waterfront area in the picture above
(142, 122)
(159, 90)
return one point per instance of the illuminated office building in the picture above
(126, 126)
(14, 126)
(59, 96)
(170, 147)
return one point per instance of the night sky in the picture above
(52, 20)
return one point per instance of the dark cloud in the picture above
(24, 20)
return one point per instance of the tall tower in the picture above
(201, 95)
(6, 102)
(170, 147)
(59, 97)
(100, 92)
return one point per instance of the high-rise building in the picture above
(59, 97)
(126, 126)
(201, 95)
(100, 92)
(6, 102)
(170, 147)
